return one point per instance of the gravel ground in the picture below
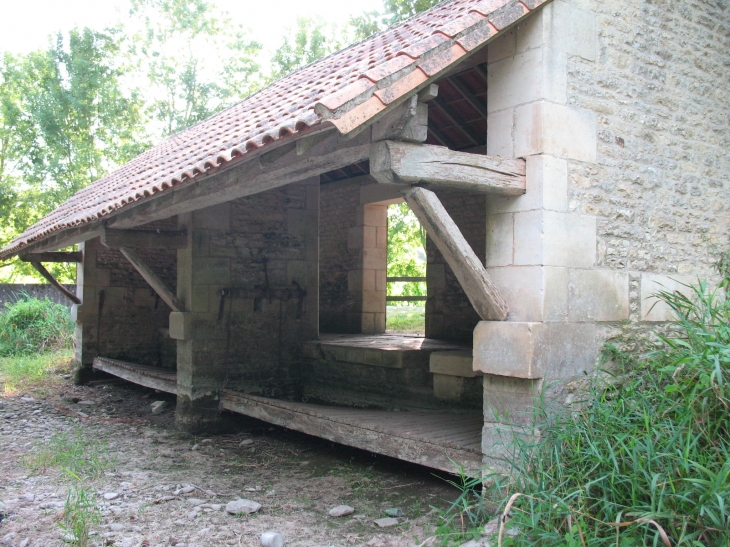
(163, 488)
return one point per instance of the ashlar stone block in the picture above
(533, 293)
(452, 363)
(551, 238)
(598, 295)
(547, 188)
(534, 350)
(500, 126)
(547, 128)
(654, 309)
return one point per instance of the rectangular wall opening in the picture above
(406, 272)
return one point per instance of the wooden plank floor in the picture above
(153, 377)
(390, 342)
(425, 438)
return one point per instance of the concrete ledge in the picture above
(181, 325)
(534, 350)
(453, 363)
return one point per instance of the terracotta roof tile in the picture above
(345, 89)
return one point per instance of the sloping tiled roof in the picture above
(345, 89)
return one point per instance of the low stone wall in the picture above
(10, 292)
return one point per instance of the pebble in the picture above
(341, 511)
(87, 403)
(116, 527)
(195, 501)
(109, 496)
(245, 442)
(386, 522)
(184, 490)
(158, 407)
(394, 512)
(242, 506)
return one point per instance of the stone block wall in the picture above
(243, 278)
(617, 109)
(449, 314)
(120, 316)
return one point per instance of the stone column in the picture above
(366, 284)
(541, 252)
(200, 338)
(92, 283)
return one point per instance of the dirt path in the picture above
(162, 488)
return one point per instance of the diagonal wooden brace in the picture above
(151, 277)
(467, 267)
(52, 280)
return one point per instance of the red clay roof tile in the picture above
(341, 89)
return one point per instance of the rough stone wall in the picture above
(245, 338)
(121, 317)
(339, 202)
(659, 187)
(449, 314)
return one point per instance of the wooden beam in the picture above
(144, 239)
(52, 280)
(251, 177)
(406, 122)
(468, 96)
(65, 238)
(467, 267)
(394, 162)
(151, 277)
(58, 256)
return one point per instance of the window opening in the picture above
(406, 272)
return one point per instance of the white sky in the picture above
(26, 24)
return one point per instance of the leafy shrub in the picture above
(645, 460)
(30, 325)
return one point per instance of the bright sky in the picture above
(33, 20)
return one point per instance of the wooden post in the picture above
(151, 277)
(467, 267)
(52, 280)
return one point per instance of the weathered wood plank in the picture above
(160, 380)
(144, 239)
(151, 277)
(52, 280)
(394, 162)
(66, 238)
(467, 267)
(58, 256)
(251, 177)
(326, 424)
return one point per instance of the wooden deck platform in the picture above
(425, 438)
(153, 377)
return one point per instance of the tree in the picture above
(395, 11)
(406, 251)
(312, 40)
(197, 62)
(71, 122)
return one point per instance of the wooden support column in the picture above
(151, 277)
(467, 267)
(393, 162)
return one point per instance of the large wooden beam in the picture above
(52, 280)
(467, 267)
(151, 277)
(393, 162)
(144, 239)
(274, 169)
(50, 256)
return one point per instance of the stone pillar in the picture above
(200, 338)
(92, 283)
(366, 284)
(541, 252)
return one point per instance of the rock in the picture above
(24, 543)
(245, 442)
(27, 399)
(164, 498)
(116, 527)
(87, 403)
(109, 496)
(394, 512)
(184, 490)
(272, 539)
(341, 511)
(386, 522)
(195, 501)
(238, 507)
(158, 406)
(51, 504)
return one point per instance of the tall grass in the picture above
(30, 325)
(644, 460)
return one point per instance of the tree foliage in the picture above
(406, 251)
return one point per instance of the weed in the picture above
(80, 513)
(74, 454)
(19, 371)
(30, 325)
(644, 460)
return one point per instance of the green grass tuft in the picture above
(406, 319)
(30, 325)
(75, 455)
(643, 460)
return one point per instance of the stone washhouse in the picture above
(567, 159)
